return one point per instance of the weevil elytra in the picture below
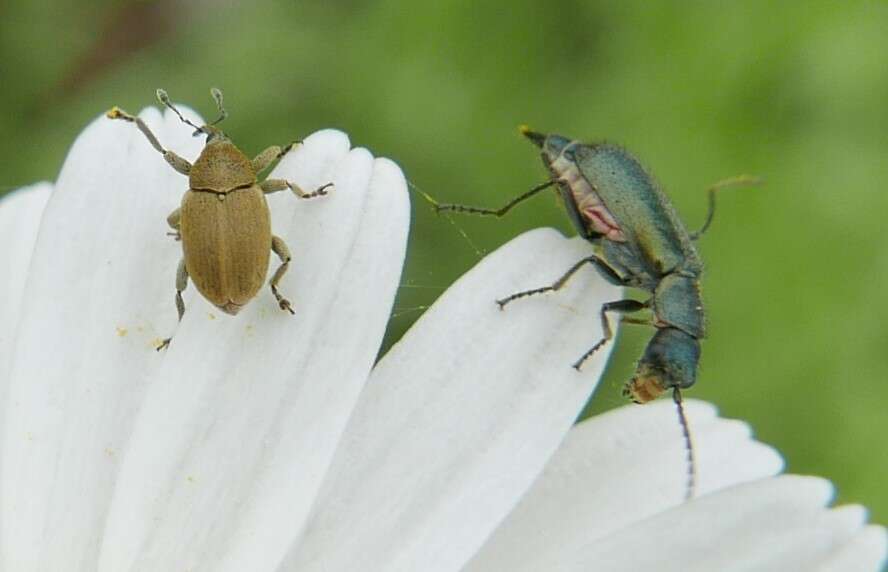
(616, 205)
(223, 221)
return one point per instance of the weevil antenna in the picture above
(689, 445)
(217, 96)
(163, 98)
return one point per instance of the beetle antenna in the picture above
(163, 98)
(689, 445)
(217, 96)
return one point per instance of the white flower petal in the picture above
(83, 351)
(867, 550)
(614, 470)
(774, 524)
(20, 213)
(240, 424)
(460, 416)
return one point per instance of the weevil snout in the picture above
(670, 360)
(213, 133)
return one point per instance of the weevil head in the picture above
(669, 361)
(551, 145)
(214, 134)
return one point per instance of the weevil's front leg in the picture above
(181, 284)
(440, 207)
(603, 268)
(270, 155)
(175, 161)
(622, 306)
(173, 221)
(269, 186)
(280, 248)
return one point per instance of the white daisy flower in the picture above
(270, 442)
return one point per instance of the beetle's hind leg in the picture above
(603, 268)
(181, 284)
(622, 306)
(176, 162)
(269, 186)
(280, 248)
(739, 181)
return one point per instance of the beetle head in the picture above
(551, 145)
(213, 134)
(669, 361)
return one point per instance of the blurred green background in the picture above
(797, 271)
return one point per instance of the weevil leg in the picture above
(175, 161)
(739, 181)
(173, 221)
(181, 284)
(603, 268)
(622, 306)
(439, 207)
(269, 186)
(270, 155)
(280, 248)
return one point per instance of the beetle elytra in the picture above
(223, 222)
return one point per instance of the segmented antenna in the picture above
(431, 200)
(689, 445)
(164, 99)
(217, 96)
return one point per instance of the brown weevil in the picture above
(224, 223)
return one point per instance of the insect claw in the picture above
(164, 344)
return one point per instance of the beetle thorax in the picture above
(589, 204)
(220, 168)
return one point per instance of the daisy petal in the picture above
(82, 355)
(460, 416)
(241, 422)
(20, 213)
(868, 550)
(772, 524)
(616, 469)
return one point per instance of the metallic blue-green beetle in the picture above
(615, 204)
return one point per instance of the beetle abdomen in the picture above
(226, 239)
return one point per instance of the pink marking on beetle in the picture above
(588, 201)
(603, 222)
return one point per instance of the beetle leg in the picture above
(280, 248)
(173, 221)
(175, 161)
(270, 155)
(491, 212)
(269, 186)
(740, 181)
(181, 284)
(603, 268)
(623, 306)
